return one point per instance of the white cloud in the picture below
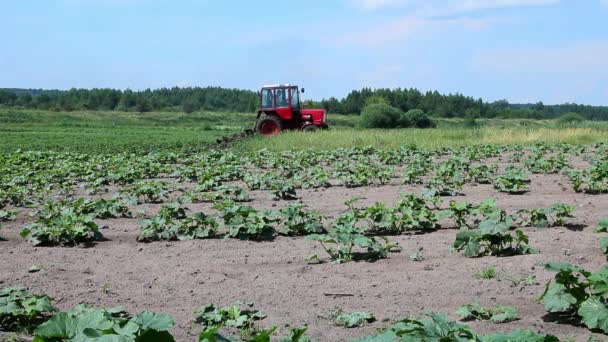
(429, 8)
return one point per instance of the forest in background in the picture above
(238, 100)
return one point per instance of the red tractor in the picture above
(280, 108)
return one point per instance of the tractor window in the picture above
(295, 98)
(282, 100)
(267, 96)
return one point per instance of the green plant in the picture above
(418, 255)
(486, 273)
(513, 181)
(84, 323)
(539, 163)
(354, 319)
(313, 177)
(490, 240)
(437, 328)
(482, 174)
(244, 222)
(223, 192)
(295, 220)
(414, 172)
(23, 311)
(495, 314)
(147, 191)
(413, 214)
(260, 181)
(66, 229)
(100, 208)
(230, 316)
(283, 191)
(578, 293)
(518, 335)
(172, 223)
(353, 175)
(554, 216)
(197, 226)
(486, 214)
(7, 215)
(212, 318)
(340, 243)
(603, 228)
(591, 181)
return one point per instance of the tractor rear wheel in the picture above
(268, 125)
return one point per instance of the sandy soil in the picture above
(178, 277)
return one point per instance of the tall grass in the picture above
(425, 138)
(119, 131)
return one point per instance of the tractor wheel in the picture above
(268, 125)
(310, 128)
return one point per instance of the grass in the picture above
(115, 131)
(425, 138)
(99, 131)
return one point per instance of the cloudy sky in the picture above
(553, 51)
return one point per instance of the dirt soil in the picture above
(178, 277)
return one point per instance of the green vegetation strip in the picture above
(425, 138)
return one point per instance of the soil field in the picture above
(177, 277)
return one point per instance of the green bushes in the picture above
(381, 115)
(570, 119)
(415, 118)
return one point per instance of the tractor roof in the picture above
(287, 85)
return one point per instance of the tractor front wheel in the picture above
(310, 128)
(268, 125)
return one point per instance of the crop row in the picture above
(27, 178)
(484, 228)
(574, 291)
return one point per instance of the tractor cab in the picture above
(280, 108)
(282, 99)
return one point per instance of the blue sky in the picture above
(553, 51)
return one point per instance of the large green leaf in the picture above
(148, 320)
(557, 299)
(518, 336)
(604, 244)
(354, 319)
(557, 266)
(594, 313)
(599, 282)
(61, 325)
(602, 226)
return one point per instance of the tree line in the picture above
(171, 99)
(456, 105)
(237, 100)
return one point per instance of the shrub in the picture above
(380, 115)
(415, 118)
(570, 119)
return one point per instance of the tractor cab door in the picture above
(267, 99)
(283, 105)
(295, 103)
